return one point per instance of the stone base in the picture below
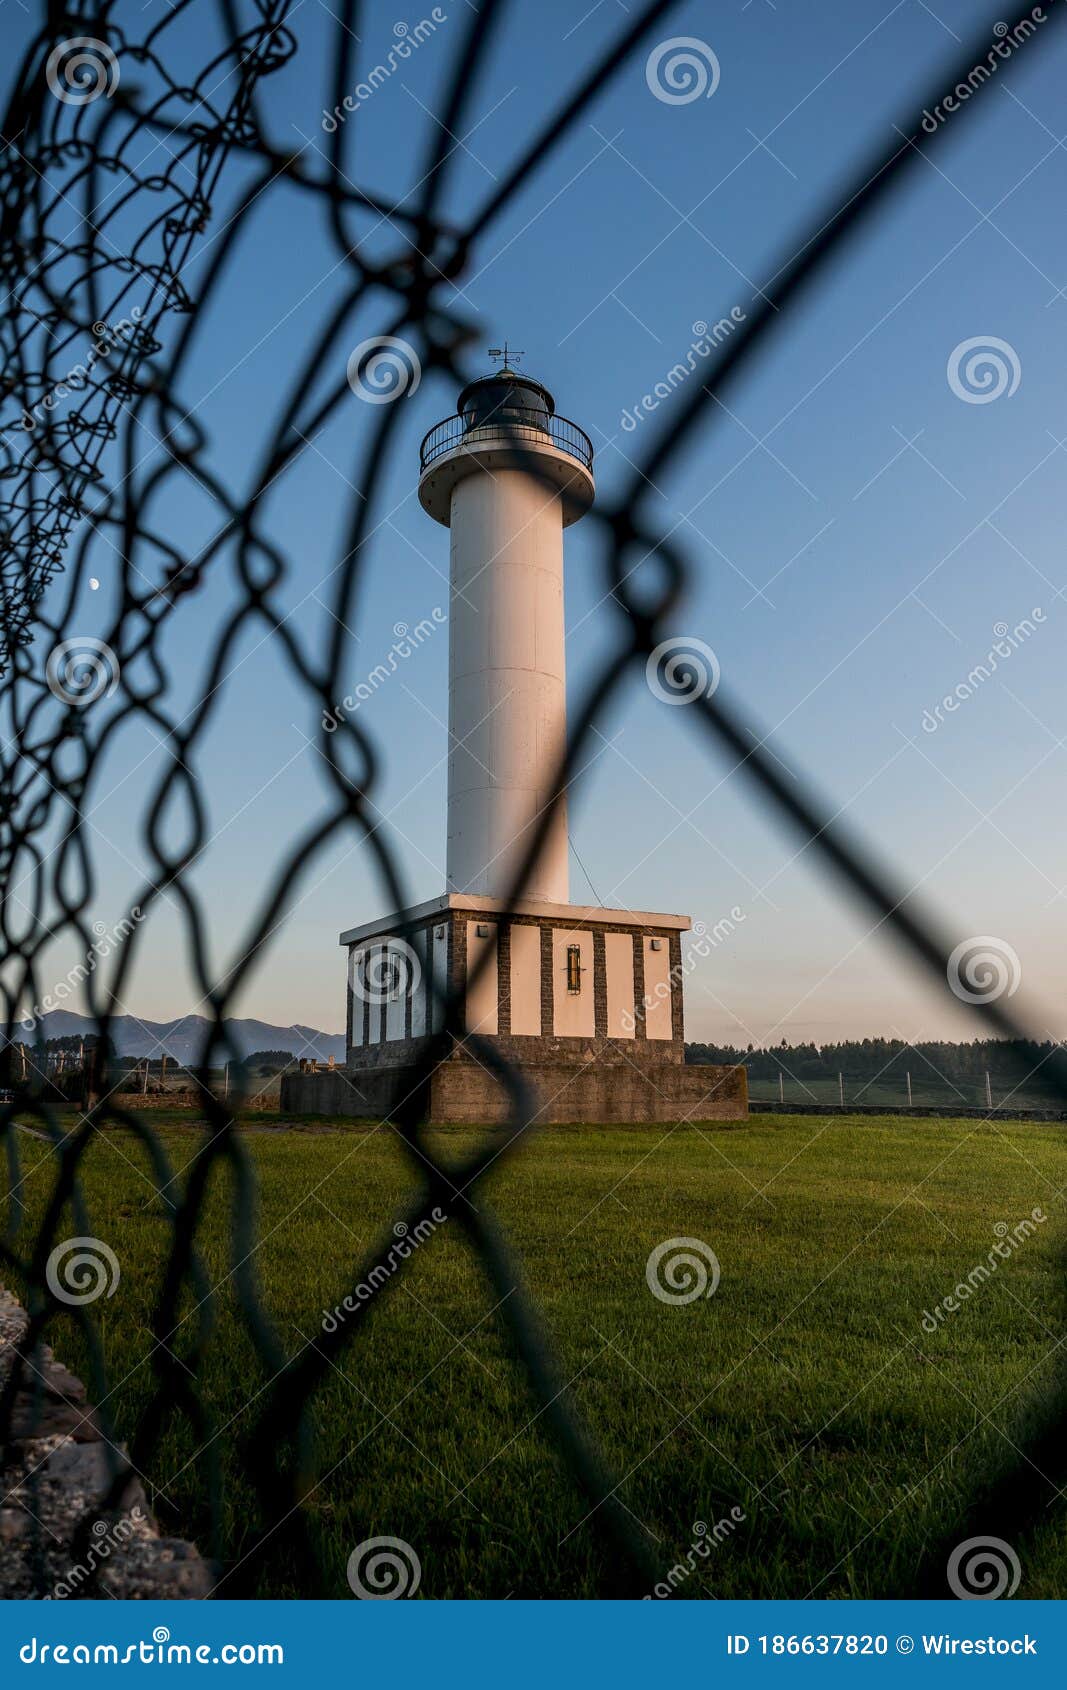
(461, 1092)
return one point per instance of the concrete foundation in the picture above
(461, 1092)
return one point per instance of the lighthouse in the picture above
(587, 1000)
(506, 476)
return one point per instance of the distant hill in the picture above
(183, 1039)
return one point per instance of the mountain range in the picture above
(183, 1039)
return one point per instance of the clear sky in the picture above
(855, 529)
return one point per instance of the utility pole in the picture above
(907, 1076)
(781, 1087)
(841, 1088)
(144, 1088)
(988, 1091)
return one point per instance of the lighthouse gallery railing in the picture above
(458, 430)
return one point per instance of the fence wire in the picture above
(102, 205)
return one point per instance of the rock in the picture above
(57, 1464)
(13, 1524)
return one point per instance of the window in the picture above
(574, 968)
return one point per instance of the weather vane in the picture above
(505, 352)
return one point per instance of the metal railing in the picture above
(456, 431)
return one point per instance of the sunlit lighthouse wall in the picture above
(588, 1000)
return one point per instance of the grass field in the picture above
(804, 1393)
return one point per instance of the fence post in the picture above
(841, 1088)
(144, 1088)
(988, 1091)
(907, 1076)
(781, 1087)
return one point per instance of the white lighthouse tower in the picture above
(506, 476)
(587, 1000)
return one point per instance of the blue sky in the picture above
(854, 530)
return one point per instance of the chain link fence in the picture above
(98, 225)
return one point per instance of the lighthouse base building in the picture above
(587, 1002)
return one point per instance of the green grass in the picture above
(805, 1392)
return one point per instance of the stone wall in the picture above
(54, 1472)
